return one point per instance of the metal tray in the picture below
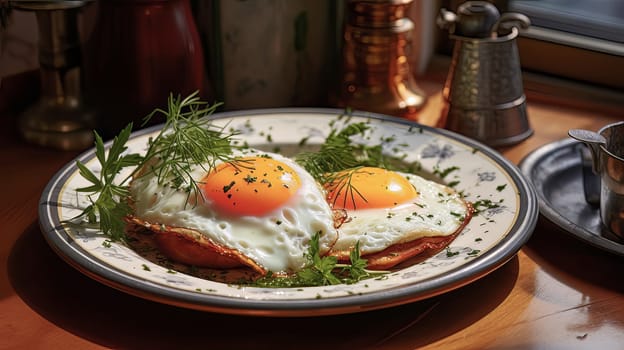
(556, 170)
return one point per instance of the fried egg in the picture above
(387, 208)
(263, 205)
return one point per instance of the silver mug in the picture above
(607, 149)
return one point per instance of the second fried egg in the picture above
(385, 208)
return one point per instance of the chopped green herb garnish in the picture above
(483, 204)
(450, 253)
(445, 172)
(226, 188)
(321, 271)
(474, 252)
(453, 184)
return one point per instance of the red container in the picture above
(139, 52)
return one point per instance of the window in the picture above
(596, 19)
(577, 39)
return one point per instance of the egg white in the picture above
(278, 241)
(436, 211)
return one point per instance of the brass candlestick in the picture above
(58, 119)
(376, 75)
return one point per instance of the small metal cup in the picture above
(607, 149)
(611, 170)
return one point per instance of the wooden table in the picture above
(557, 293)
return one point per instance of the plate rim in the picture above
(499, 254)
(528, 164)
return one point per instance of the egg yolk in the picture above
(251, 186)
(368, 187)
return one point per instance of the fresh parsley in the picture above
(107, 209)
(322, 270)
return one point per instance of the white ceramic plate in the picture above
(490, 239)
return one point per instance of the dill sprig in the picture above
(341, 181)
(188, 139)
(339, 152)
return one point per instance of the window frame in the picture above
(563, 60)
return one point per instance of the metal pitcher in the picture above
(484, 95)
